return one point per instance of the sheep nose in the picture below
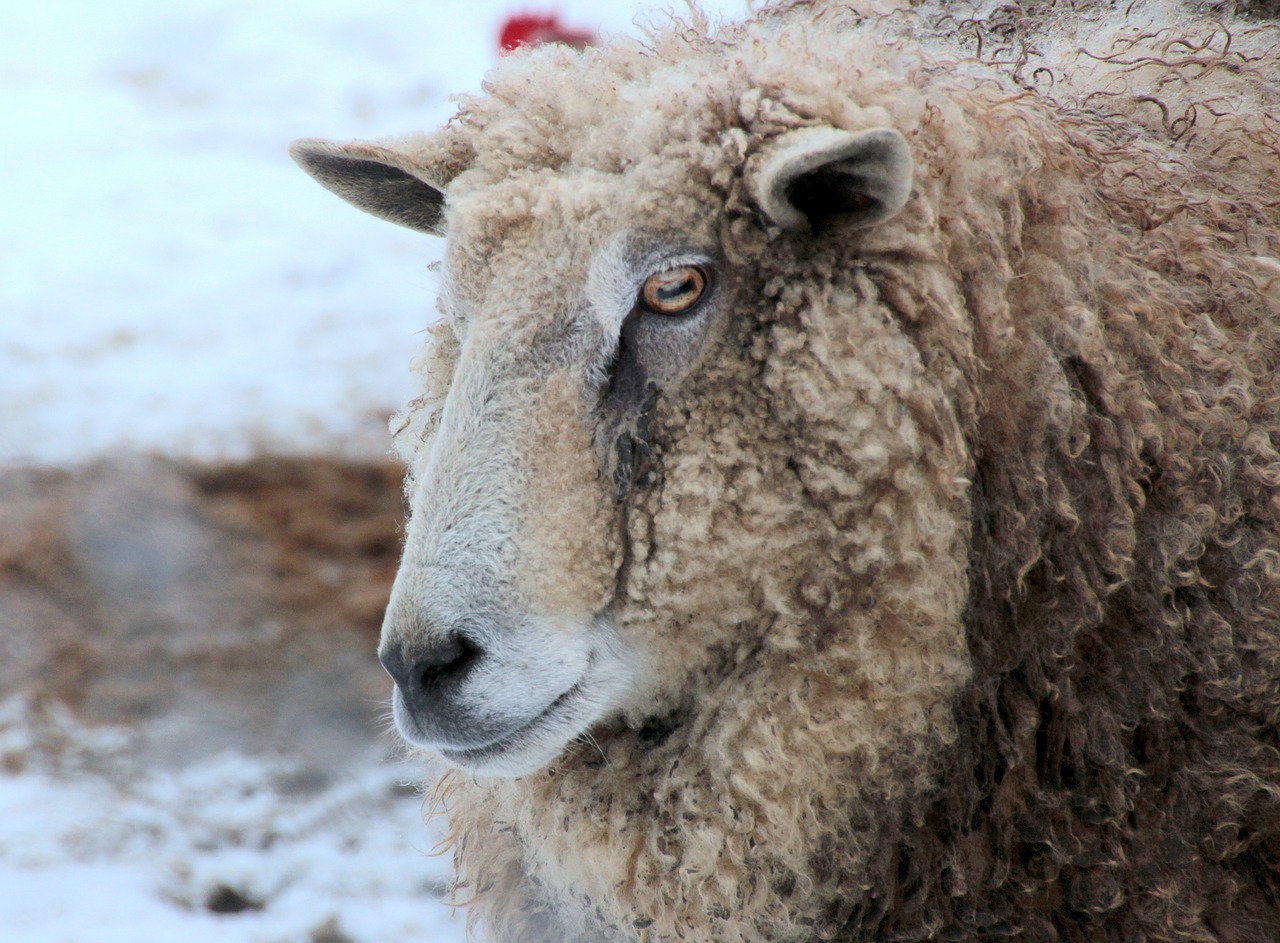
(429, 675)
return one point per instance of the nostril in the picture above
(426, 668)
(450, 660)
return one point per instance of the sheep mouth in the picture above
(469, 756)
(532, 745)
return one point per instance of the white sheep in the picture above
(845, 497)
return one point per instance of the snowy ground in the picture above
(170, 283)
(95, 846)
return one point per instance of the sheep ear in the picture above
(814, 175)
(375, 179)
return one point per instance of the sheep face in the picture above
(506, 592)
(517, 541)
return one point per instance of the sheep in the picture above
(845, 498)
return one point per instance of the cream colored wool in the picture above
(956, 574)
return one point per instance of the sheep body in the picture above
(955, 567)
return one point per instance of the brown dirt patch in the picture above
(218, 606)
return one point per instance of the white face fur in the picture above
(529, 679)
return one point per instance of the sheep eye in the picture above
(673, 291)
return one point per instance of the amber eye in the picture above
(674, 291)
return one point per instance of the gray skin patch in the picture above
(647, 339)
(627, 403)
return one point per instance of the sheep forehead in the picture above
(525, 249)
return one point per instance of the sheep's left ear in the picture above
(375, 179)
(811, 176)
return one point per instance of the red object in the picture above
(529, 29)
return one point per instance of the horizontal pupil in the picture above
(674, 291)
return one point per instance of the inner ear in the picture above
(375, 179)
(813, 176)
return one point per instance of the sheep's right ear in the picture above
(815, 175)
(375, 179)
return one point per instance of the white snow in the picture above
(169, 281)
(96, 845)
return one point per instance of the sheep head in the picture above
(688, 488)
(576, 329)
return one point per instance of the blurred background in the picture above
(199, 520)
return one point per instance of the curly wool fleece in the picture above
(957, 565)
